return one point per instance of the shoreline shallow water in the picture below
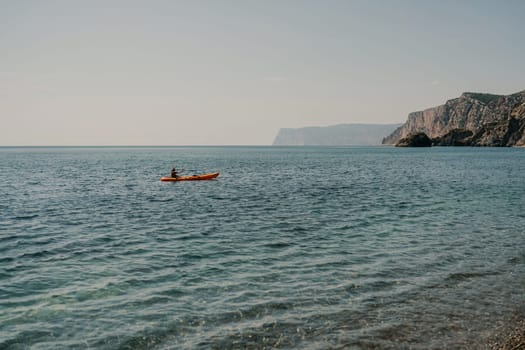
(312, 248)
(511, 335)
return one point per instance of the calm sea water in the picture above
(310, 248)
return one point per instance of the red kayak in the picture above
(190, 177)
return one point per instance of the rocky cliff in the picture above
(493, 120)
(419, 139)
(335, 135)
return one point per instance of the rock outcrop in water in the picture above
(419, 139)
(493, 120)
(336, 135)
(456, 137)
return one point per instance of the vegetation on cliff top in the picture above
(485, 98)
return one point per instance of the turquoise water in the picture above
(310, 248)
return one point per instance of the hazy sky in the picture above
(234, 72)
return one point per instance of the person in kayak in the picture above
(174, 173)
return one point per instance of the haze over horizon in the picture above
(235, 72)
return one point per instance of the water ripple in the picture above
(311, 248)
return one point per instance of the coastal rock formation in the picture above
(335, 135)
(456, 137)
(494, 120)
(509, 132)
(419, 139)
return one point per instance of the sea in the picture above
(289, 248)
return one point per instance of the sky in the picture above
(224, 72)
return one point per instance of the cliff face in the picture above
(494, 120)
(336, 135)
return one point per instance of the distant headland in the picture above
(335, 135)
(473, 119)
